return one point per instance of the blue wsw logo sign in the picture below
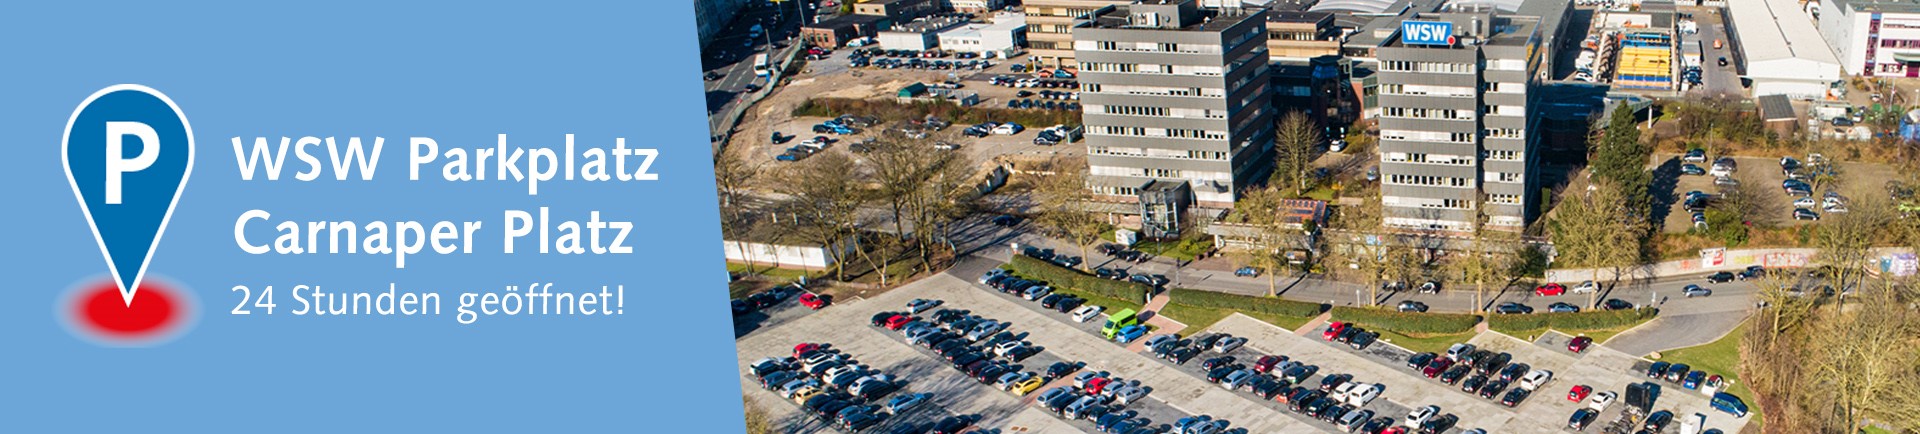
(1426, 32)
(128, 151)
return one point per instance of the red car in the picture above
(1334, 329)
(897, 321)
(803, 348)
(1549, 290)
(1266, 363)
(1579, 344)
(1437, 366)
(1578, 393)
(1096, 384)
(815, 302)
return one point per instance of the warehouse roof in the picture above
(1358, 6)
(1770, 30)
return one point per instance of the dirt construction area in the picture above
(831, 78)
(1764, 174)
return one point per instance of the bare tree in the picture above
(1293, 142)
(1593, 229)
(1362, 243)
(823, 197)
(1268, 234)
(731, 175)
(920, 188)
(1064, 199)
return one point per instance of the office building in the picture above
(1456, 127)
(898, 11)
(1005, 35)
(1874, 38)
(1175, 102)
(1050, 27)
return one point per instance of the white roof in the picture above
(1357, 6)
(1508, 6)
(1776, 30)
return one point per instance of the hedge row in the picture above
(1407, 323)
(1598, 320)
(1059, 276)
(1246, 303)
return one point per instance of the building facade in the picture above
(1173, 93)
(1005, 35)
(977, 6)
(1050, 27)
(1874, 38)
(837, 31)
(713, 16)
(1456, 130)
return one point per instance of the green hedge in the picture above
(1598, 320)
(1407, 323)
(1058, 276)
(1245, 303)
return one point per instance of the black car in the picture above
(861, 421)
(880, 319)
(1328, 383)
(1181, 356)
(1514, 397)
(1022, 353)
(1454, 374)
(1616, 304)
(1346, 334)
(1492, 389)
(951, 425)
(1473, 385)
(1658, 370)
(1720, 277)
(1216, 362)
(1061, 369)
(1361, 340)
(1051, 300)
(1581, 418)
(1493, 363)
(1220, 373)
(1420, 360)
(1412, 306)
(1514, 372)
(1069, 303)
(1658, 420)
(1439, 424)
(1511, 308)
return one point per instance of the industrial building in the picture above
(1175, 106)
(1874, 38)
(1780, 50)
(837, 31)
(1005, 35)
(919, 35)
(898, 11)
(1456, 127)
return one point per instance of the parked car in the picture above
(1412, 306)
(1549, 290)
(1512, 308)
(1581, 418)
(1086, 313)
(1692, 291)
(1579, 344)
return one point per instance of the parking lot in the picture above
(1182, 390)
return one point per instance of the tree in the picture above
(758, 421)
(1592, 229)
(731, 175)
(1064, 197)
(1620, 158)
(1270, 236)
(823, 198)
(1364, 243)
(920, 189)
(1293, 144)
(1845, 240)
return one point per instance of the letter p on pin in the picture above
(118, 164)
(128, 152)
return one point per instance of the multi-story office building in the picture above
(1456, 129)
(1175, 102)
(1050, 27)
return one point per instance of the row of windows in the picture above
(1503, 199)
(1196, 134)
(1150, 47)
(1504, 110)
(1505, 133)
(1431, 181)
(1426, 136)
(1421, 202)
(1138, 68)
(1427, 113)
(1429, 90)
(1132, 110)
(1451, 160)
(1159, 153)
(1503, 155)
(1502, 177)
(1153, 90)
(1427, 67)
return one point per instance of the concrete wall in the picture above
(804, 257)
(1732, 260)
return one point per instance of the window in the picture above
(1505, 133)
(1133, 110)
(1426, 180)
(1501, 155)
(1442, 159)
(1421, 89)
(1502, 177)
(1504, 199)
(1426, 67)
(1427, 113)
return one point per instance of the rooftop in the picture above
(1274, 16)
(848, 20)
(1879, 5)
(925, 25)
(1775, 107)
(1777, 30)
(1169, 15)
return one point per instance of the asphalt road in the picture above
(1683, 322)
(1714, 78)
(731, 55)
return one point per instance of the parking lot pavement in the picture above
(845, 326)
(1605, 369)
(772, 316)
(1247, 355)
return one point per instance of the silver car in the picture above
(1229, 344)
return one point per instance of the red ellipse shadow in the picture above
(101, 311)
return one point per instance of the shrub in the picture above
(1058, 276)
(1599, 320)
(1407, 323)
(1246, 303)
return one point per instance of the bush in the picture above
(1600, 320)
(1058, 276)
(1407, 323)
(1246, 303)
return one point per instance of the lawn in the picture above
(1185, 250)
(1719, 357)
(772, 273)
(1426, 344)
(1199, 318)
(1600, 335)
